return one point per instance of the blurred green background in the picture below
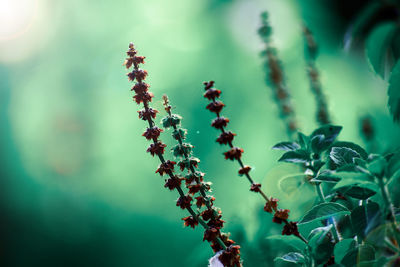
(76, 186)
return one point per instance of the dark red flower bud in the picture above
(197, 176)
(286, 109)
(207, 214)
(132, 51)
(234, 153)
(139, 75)
(166, 167)
(193, 189)
(131, 75)
(271, 205)
(281, 94)
(280, 215)
(184, 202)
(367, 128)
(216, 223)
(220, 122)
(143, 97)
(208, 85)
(245, 170)
(200, 201)
(226, 138)
(190, 221)
(215, 246)
(211, 234)
(156, 148)
(215, 107)
(231, 256)
(152, 133)
(228, 242)
(140, 88)
(138, 59)
(148, 114)
(128, 62)
(255, 187)
(292, 125)
(173, 183)
(212, 94)
(290, 229)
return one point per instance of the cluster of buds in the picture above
(276, 78)
(199, 190)
(311, 52)
(235, 153)
(210, 218)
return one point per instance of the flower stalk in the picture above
(311, 53)
(196, 185)
(230, 255)
(275, 78)
(235, 153)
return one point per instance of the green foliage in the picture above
(393, 165)
(293, 257)
(323, 211)
(353, 146)
(342, 247)
(378, 46)
(394, 92)
(290, 241)
(355, 197)
(326, 177)
(365, 218)
(296, 156)
(342, 156)
(286, 146)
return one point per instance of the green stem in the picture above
(335, 229)
(387, 201)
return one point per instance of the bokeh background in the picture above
(76, 186)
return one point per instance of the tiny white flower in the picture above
(214, 261)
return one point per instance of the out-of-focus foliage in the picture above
(77, 188)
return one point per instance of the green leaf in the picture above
(329, 131)
(348, 168)
(342, 248)
(323, 211)
(362, 21)
(378, 46)
(360, 162)
(296, 156)
(326, 178)
(288, 240)
(393, 165)
(343, 155)
(359, 256)
(365, 218)
(317, 236)
(304, 141)
(293, 257)
(377, 166)
(366, 253)
(356, 188)
(353, 146)
(287, 146)
(353, 176)
(394, 92)
(320, 143)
